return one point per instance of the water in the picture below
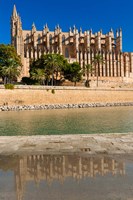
(66, 177)
(69, 121)
(76, 176)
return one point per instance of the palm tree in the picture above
(10, 63)
(88, 69)
(38, 75)
(10, 71)
(97, 61)
(53, 63)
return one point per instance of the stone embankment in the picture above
(47, 97)
(91, 144)
(62, 106)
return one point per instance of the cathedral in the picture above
(75, 45)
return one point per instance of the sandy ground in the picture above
(64, 96)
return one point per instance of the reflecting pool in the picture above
(67, 121)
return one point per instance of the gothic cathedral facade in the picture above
(76, 46)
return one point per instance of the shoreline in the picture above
(63, 106)
(92, 144)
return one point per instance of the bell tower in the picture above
(16, 32)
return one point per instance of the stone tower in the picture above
(17, 40)
(16, 32)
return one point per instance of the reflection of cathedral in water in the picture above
(59, 167)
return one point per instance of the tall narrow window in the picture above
(27, 39)
(39, 39)
(63, 39)
(66, 53)
(50, 39)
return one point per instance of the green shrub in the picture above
(53, 91)
(9, 86)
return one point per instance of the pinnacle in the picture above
(33, 24)
(14, 14)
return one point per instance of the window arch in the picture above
(63, 39)
(39, 38)
(27, 38)
(50, 39)
(66, 53)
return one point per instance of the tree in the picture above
(72, 72)
(10, 63)
(97, 61)
(38, 75)
(88, 70)
(54, 64)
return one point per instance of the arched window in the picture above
(50, 39)
(27, 38)
(39, 39)
(63, 39)
(66, 53)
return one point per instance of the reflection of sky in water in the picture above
(65, 177)
(69, 121)
(7, 185)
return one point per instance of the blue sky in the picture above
(95, 14)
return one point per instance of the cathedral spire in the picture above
(33, 25)
(33, 28)
(14, 13)
(117, 33)
(120, 32)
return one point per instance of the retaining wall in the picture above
(61, 95)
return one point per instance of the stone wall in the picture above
(63, 95)
(104, 82)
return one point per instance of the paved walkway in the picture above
(91, 144)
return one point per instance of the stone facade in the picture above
(75, 46)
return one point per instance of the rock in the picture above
(62, 106)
